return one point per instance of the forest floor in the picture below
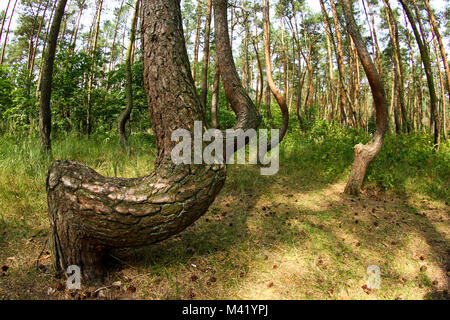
(290, 236)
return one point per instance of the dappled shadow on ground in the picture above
(294, 239)
(290, 236)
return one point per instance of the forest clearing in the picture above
(354, 95)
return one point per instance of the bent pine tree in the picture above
(90, 214)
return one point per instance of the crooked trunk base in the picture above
(364, 155)
(90, 214)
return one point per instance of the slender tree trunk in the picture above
(341, 63)
(215, 97)
(276, 93)
(111, 56)
(364, 154)
(36, 44)
(197, 39)
(395, 102)
(4, 19)
(393, 31)
(91, 75)
(45, 114)
(43, 50)
(125, 115)
(437, 34)
(73, 38)
(2, 57)
(261, 75)
(330, 54)
(424, 53)
(206, 56)
(285, 62)
(31, 40)
(301, 75)
(442, 85)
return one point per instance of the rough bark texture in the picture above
(364, 154)
(90, 213)
(45, 114)
(246, 112)
(125, 115)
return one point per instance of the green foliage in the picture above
(406, 162)
(409, 160)
(19, 104)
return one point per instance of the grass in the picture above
(291, 236)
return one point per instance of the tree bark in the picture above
(38, 86)
(215, 97)
(31, 42)
(436, 32)
(111, 56)
(45, 114)
(73, 39)
(91, 75)
(246, 112)
(364, 154)
(89, 213)
(125, 115)
(206, 51)
(33, 56)
(393, 31)
(4, 19)
(424, 53)
(329, 35)
(197, 39)
(443, 98)
(341, 63)
(276, 93)
(2, 57)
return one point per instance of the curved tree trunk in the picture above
(125, 115)
(89, 213)
(364, 154)
(45, 114)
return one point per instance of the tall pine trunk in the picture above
(45, 114)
